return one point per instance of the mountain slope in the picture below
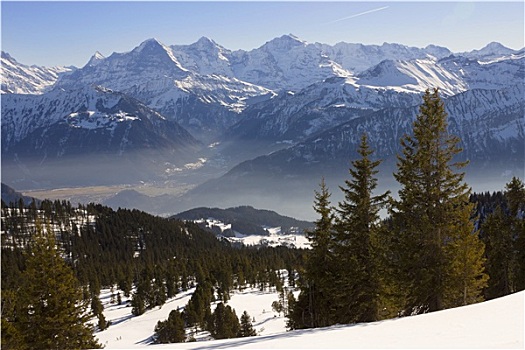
(10, 195)
(284, 63)
(85, 120)
(489, 122)
(19, 78)
(89, 136)
(246, 220)
(391, 84)
(497, 323)
(339, 92)
(150, 60)
(358, 57)
(152, 74)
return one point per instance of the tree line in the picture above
(98, 247)
(437, 249)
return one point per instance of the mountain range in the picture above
(259, 123)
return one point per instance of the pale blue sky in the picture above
(68, 33)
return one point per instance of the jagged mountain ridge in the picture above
(18, 78)
(284, 60)
(215, 92)
(295, 116)
(212, 106)
(89, 136)
(490, 123)
(87, 112)
(152, 74)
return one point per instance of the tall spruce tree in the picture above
(170, 330)
(504, 235)
(224, 322)
(357, 283)
(515, 195)
(246, 328)
(51, 313)
(497, 235)
(313, 307)
(438, 255)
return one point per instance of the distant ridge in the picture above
(10, 195)
(246, 219)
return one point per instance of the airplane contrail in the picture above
(358, 14)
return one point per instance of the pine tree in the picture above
(246, 328)
(96, 305)
(357, 283)
(97, 309)
(170, 330)
(432, 217)
(515, 195)
(51, 312)
(137, 305)
(497, 235)
(11, 334)
(225, 323)
(102, 323)
(313, 307)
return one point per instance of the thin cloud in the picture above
(358, 14)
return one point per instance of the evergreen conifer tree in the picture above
(438, 255)
(515, 195)
(313, 307)
(137, 305)
(51, 313)
(11, 334)
(504, 236)
(497, 236)
(358, 281)
(246, 328)
(170, 330)
(225, 323)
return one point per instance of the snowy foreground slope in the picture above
(497, 323)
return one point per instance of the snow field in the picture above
(135, 332)
(497, 323)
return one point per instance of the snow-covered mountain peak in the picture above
(148, 44)
(437, 51)
(412, 76)
(205, 43)
(19, 78)
(491, 51)
(284, 43)
(7, 56)
(95, 59)
(495, 47)
(150, 61)
(154, 49)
